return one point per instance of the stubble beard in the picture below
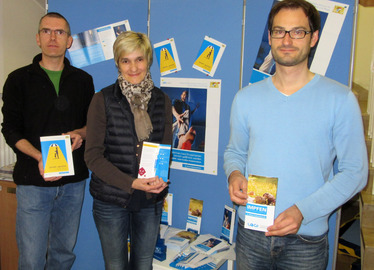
(289, 61)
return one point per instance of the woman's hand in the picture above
(151, 185)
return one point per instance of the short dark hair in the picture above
(56, 15)
(309, 9)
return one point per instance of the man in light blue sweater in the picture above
(293, 126)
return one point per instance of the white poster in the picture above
(332, 18)
(196, 108)
(96, 45)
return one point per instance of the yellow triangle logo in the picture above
(166, 61)
(56, 161)
(205, 60)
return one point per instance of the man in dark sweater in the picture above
(48, 97)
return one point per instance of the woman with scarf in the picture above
(122, 116)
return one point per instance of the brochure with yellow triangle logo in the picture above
(209, 56)
(57, 155)
(166, 61)
(205, 60)
(167, 56)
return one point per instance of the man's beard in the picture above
(290, 61)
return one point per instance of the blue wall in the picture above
(187, 21)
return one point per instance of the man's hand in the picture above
(151, 185)
(76, 139)
(41, 171)
(238, 188)
(288, 222)
(27, 148)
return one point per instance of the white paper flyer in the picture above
(260, 209)
(96, 45)
(57, 155)
(167, 57)
(154, 161)
(209, 56)
(167, 210)
(228, 224)
(195, 211)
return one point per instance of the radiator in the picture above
(7, 155)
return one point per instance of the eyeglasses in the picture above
(294, 34)
(47, 31)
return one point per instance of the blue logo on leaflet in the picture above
(253, 225)
(257, 209)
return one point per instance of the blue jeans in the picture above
(115, 224)
(47, 225)
(292, 252)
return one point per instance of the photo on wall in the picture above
(95, 45)
(189, 117)
(195, 107)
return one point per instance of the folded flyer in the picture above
(195, 212)
(57, 155)
(228, 224)
(167, 210)
(260, 208)
(154, 161)
(209, 244)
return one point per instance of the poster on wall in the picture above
(96, 45)
(196, 108)
(332, 18)
(209, 56)
(167, 57)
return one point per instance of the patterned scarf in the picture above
(138, 95)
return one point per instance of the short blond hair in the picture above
(128, 42)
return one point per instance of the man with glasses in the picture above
(294, 126)
(48, 97)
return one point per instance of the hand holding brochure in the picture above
(155, 161)
(57, 155)
(260, 209)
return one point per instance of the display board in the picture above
(192, 28)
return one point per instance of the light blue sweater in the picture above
(297, 138)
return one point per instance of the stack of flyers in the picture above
(180, 240)
(193, 260)
(208, 244)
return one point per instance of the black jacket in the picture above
(32, 109)
(122, 146)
